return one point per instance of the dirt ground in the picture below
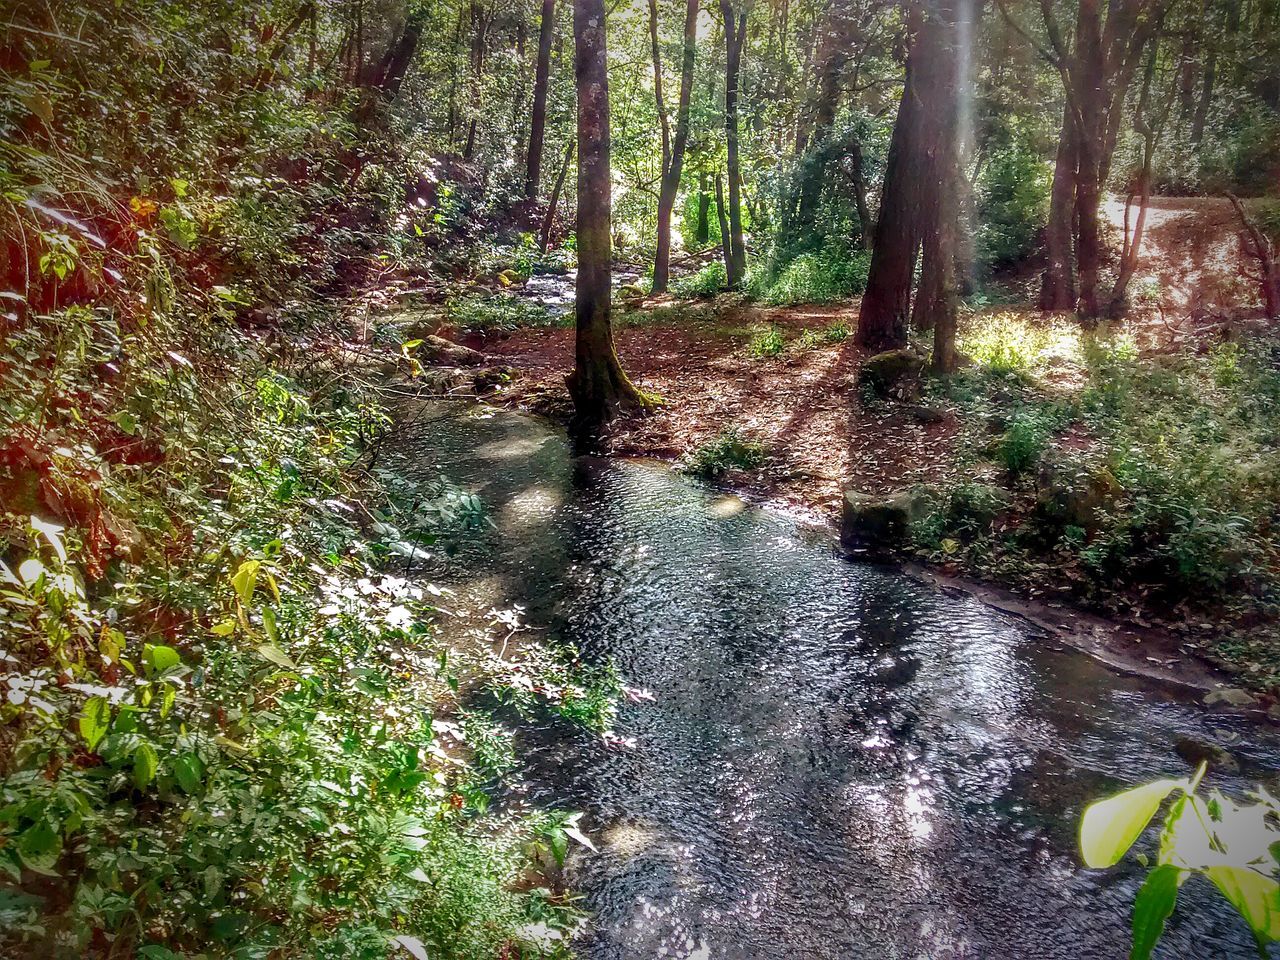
(802, 405)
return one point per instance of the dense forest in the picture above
(345, 612)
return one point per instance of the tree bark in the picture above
(735, 35)
(673, 165)
(598, 386)
(702, 229)
(726, 249)
(550, 219)
(480, 21)
(1260, 248)
(886, 305)
(1058, 285)
(541, 81)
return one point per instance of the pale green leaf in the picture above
(146, 762)
(1256, 896)
(1110, 827)
(160, 657)
(189, 772)
(269, 651)
(245, 579)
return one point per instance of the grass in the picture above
(729, 450)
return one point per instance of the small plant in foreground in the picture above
(1235, 847)
(1024, 442)
(728, 450)
(766, 343)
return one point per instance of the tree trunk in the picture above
(726, 249)
(541, 81)
(480, 20)
(598, 385)
(674, 168)
(1261, 249)
(550, 219)
(702, 229)
(886, 304)
(735, 36)
(1058, 286)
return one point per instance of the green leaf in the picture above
(189, 772)
(1152, 908)
(95, 718)
(160, 657)
(39, 846)
(245, 579)
(145, 764)
(269, 651)
(1256, 896)
(1109, 827)
(269, 625)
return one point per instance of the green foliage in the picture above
(729, 450)
(1013, 205)
(834, 273)
(766, 343)
(1009, 344)
(707, 282)
(1025, 440)
(1229, 844)
(502, 311)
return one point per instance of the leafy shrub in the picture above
(1024, 442)
(766, 343)
(707, 282)
(1013, 205)
(502, 311)
(834, 273)
(729, 450)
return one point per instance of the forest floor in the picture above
(822, 438)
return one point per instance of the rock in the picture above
(979, 503)
(882, 523)
(491, 378)
(438, 350)
(924, 413)
(630, 291)
(1231, 697)
(893, 373)
(1071, 494)
(1196, 752)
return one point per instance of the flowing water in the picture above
(839, 762)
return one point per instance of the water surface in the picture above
(839, 762)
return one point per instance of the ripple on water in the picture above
(839, 762)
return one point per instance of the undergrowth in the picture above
(729, 450)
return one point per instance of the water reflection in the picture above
(839, 762)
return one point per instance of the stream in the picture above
(839, 762)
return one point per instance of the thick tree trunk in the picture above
(548, 221)
(1058, 286)
(735, 36)
(674, 165)
(541, 81)
(598, 386)
(886, 305)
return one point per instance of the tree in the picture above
(1097, 68)
(735, 37)
(541, 80)
(672, 152)
(598, 385)
(886, 305)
